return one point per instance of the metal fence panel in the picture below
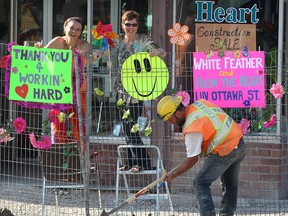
(262, 182)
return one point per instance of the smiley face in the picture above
(144, 77)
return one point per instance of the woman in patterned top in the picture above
(126, 45)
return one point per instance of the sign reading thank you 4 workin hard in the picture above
(230, 79)
(41, 75)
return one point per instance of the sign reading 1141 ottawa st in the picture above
(41, 75)
(230, 79)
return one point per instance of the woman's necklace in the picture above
(129, 42)
(68, 46)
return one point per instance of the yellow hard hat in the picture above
(167, 106)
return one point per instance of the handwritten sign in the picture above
(41, 75)
(143, 77)
(224, 37)
(230, 79)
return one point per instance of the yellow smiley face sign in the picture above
(144, 77)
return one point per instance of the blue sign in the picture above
(230, 15)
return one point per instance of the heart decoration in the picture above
(22, 90)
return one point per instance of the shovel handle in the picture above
(138, 194)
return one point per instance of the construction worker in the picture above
(210, 132)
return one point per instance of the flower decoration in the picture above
(103, 35)
(185, 97)
(221, 54)
(209, 53)
(67, 90)
(9, 48)
(120, 103)
(271, 122)
(245, 51)
(3, 61)
(62, 117)
(259, 72)
(4, 135)
(147, 131)
(53, 116)
(19, 124)
(135, 128)
(277, 90)
(244, 125)
(15, 70)
(246, 103)
(61, 125)
(126, 114)
(179, 34)
(237, 54)
(44, 142)
(98, 92)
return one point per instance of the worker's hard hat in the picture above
(167, 106)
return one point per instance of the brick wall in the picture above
(264, 171)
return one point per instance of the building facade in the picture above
(26, 21)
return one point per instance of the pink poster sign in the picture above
(230, 79)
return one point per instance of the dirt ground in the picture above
(26, 201)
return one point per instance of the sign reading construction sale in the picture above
(41, 75)
(230, 79)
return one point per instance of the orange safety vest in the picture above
(221, 134)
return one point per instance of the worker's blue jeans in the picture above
(227, 168)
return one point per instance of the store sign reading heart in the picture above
(22, 90)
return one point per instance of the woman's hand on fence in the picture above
(158, 52)
(38, 44)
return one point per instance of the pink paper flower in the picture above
(185, 97)
(277, 90)
(53, 116)
(3, 61)
(19, 124)
(43, 143)
(5, 138)
(244, 125)
(10, 44)
(271, 122)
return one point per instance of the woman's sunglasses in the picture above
(129, 24)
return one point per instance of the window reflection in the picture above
(30, 21)
(4, 20)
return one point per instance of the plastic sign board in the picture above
(144, 77)
(41, 75)
(230, 79)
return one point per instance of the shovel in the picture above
(135, 196)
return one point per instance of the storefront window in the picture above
(264, 37)
(267, 27)
(101, 11)
(62, 9)
(142, 7)
(30, 22)
(105, 117)
(4, 20)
